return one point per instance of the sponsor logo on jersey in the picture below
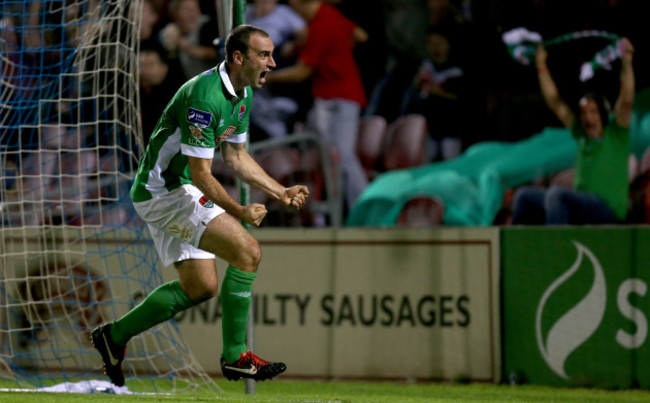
(229, 130)
(198, 117)
(198, 143)
(196, 132)
(205, 202)
(242, 111)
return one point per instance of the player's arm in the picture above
(200, 169)
(550, 92)
(623, 106)
(247, 169)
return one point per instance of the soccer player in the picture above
(190, 215)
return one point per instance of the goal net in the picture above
(72, 252)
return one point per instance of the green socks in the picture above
(235, 303)
(169, 299)
(162, 304)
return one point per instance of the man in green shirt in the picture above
(190, 215)
(601, 189)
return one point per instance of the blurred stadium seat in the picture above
(370, 142)
(422, 212)
(405, 142)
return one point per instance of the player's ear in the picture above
(238, 57)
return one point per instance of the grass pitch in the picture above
(279, 391)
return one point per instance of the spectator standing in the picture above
(437, 93)
(601, 188)
(327, 58)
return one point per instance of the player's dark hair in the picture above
(239, 38)
(604, 107)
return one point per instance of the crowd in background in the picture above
(443, 60)
(498, 98)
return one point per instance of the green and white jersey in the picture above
(204, 112)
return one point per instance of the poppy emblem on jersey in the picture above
(205, 202)
(198, 117)
(229, 130)
(242, 111)
(196, 132)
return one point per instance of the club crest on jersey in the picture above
(242, 111)
(229, 130)
(205, 202)
(198, 117)
(196, 132)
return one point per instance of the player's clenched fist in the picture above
(295, 196)
(254, 214)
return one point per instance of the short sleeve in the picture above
(196, 124)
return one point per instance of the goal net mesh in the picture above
(72, 252)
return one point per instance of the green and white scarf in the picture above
(522, 45)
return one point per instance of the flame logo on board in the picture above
(580, 322)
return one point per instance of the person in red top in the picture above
(327, 58)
